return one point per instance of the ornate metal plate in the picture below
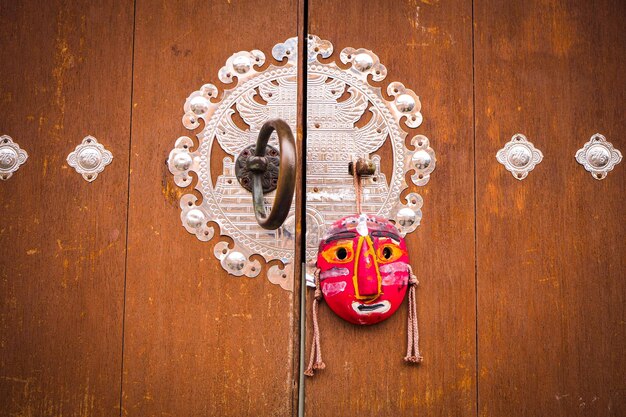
(598, 156)
(347, 118)
(89, 158)
(11, 157)
(519, 156)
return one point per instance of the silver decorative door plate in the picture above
(519, 156)
(337, 100)
(11, 157)
(89, 158)
(598, 156)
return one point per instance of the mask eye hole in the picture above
(339, 253)
(388, 253)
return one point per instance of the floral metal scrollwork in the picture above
(337, 99)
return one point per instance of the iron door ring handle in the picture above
(286, 184)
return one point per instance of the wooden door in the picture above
(429, 49)
(110, 307)
(551, 248)
(197, 341)
(521, 297)
(65, 71)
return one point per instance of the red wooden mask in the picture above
(364, 268)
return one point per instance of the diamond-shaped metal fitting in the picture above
(598, 156)
(519, 156)
(89, 158)
(11, 157)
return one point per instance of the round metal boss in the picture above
(270, 176)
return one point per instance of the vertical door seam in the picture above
(477, 373)
(130, 139)
(299, 325)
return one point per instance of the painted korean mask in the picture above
(364, 268)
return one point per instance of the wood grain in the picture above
(428, 48)
(65, 73)
(198, 342)
(551, 265)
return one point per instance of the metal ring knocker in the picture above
(258, 163)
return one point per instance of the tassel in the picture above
(412, 348)
(315, 361)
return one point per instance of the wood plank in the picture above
(551, 248)
(65, 73)
(197, 341)
(428, 48)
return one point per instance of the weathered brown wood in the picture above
(197, 341)
(550, 261)
(65, 72)
(428, 48)
(551, 265)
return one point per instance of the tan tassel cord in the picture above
(412, 347)
(315, 361)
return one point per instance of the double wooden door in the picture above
(109, 307)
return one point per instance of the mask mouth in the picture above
(374, 308)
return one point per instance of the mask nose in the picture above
(366, 270)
